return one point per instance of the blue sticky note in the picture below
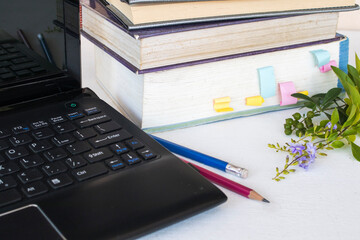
(322, 57)
(267, 82)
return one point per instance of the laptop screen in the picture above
(39, 42)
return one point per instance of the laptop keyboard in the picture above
(50, 154)
(15, 64)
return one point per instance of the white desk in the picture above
(321, 203)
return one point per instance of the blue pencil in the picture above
(45, 48)
(202, 158)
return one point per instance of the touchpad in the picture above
(27, 223)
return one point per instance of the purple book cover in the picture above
(168, 67)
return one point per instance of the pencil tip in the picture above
(265, 200)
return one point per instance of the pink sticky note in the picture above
(286, 89)
(327, 67)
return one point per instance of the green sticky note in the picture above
(267, 82)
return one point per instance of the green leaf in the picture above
(355, 151)
(302, 96)
(354, 95)
(323, 123)
(310, 105)
(343, 77)
(351, 138)
(332, 137)
(357, 61)
(331, 95)
(350, 131)
(337, 144)
(334, 117)
(351, 117)
(354, 75)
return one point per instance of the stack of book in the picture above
(173, 64)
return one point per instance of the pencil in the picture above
(23, 38)
(228, 184)
(45, 48)
(202, 158)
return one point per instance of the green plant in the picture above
(339, 129)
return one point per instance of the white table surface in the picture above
(321, 203)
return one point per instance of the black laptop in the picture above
(72, 167)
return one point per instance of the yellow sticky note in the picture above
(222, 104)
(254, 101)
(304, 92)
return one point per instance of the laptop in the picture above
(72, 167)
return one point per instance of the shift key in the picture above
(89, 171)
(110, 138)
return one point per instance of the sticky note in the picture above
(222, 104)
(267, 82)
(321, 57)
(254, 101)
(286, 89)
(304, 92)
(327, 67)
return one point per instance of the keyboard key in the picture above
(4, 133)
(89, 171)
(30, 175)
(134, 144)
(6, 45)
(63, 139)
(39, 124)
(20, 139)
(119, 148)
(130, 158)
(110, 138)
(7, 182)
(8, 168)
(85, 134)
(54, 168)
(2, 159)
(55, 154)
(4, 70)
(22, 66)
(5, 64)
(23, 73)
(146, 153)
(40, 146)
(38, 69)
(20, 129)
(31, 161)
(75, 115)
(2, 52)
(98, 155)
(60, 181)
(9, 196)
(11, 56)
(3, 145)
(15, 153)
(64, 127)
(43, 133)
(7, 76)
(79, 147)
(91, 111)
(34, 189)
(90, 121)
(107, 127)
(12, 50)
(20, 60)
(115, 163)
(57, 119)
(75, 161)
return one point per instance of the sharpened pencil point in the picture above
(265, 200)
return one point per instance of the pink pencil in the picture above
(228, 184)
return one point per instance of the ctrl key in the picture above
(9, 196)
(89, 171)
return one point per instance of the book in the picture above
(150, 14)
(173, 97)
(150, 48)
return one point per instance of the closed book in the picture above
(152, 14)
(156, 47)
(180, 96)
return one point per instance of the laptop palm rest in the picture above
(28, 222)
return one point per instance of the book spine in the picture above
(343, 57)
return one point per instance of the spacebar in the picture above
(89, 171)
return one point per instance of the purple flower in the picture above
(328, 125)
(305, 161)
(311, 150)
(297, 148)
